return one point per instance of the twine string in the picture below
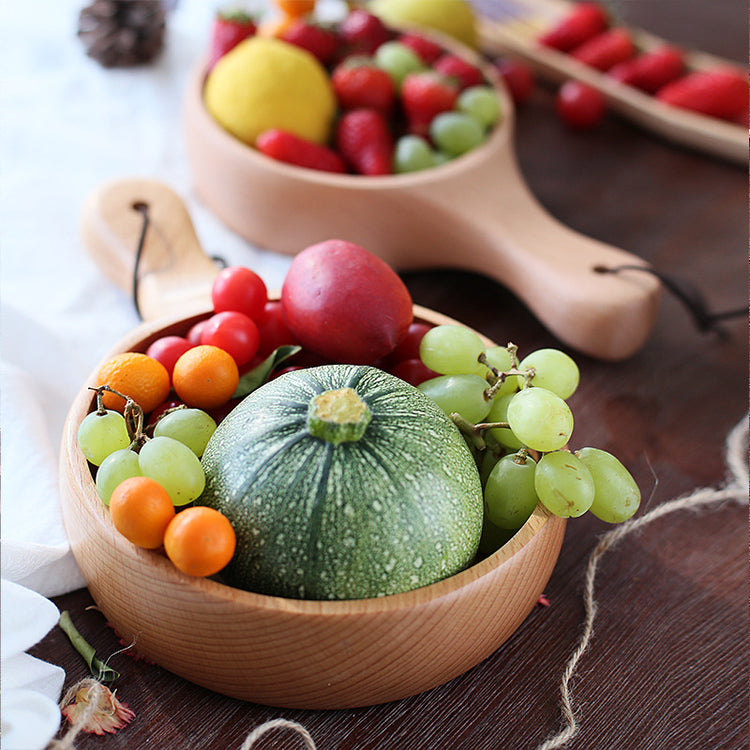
(262, 729)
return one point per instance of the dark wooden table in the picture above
(668, 664)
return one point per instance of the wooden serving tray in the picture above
(512, 27)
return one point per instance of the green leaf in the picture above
(98, 668)
(259, 375)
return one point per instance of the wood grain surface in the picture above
(668, 665)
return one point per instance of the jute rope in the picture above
(251, 738)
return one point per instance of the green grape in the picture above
(463, 394)
(452, 350)
(540, 419)
(500, 358)
(116, 468)
(481, 103)
(486, 464)
(499, 413)
(412, 153)
(617, 496)
(193, 427)
(175, 467)
(564, 484)
(455, 133)
(555, 371)
(397, 60)
(509, 496)
(101, 434)
(439, 158)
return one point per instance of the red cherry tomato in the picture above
(412, 371)
(238, 289)
(168, 349)
(408, 347)
(344, 303)
(518, 78)
(579, 105)
(234, 333)
(156, 413)
(272, 328)
(195, 333)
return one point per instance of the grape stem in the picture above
(133, 416)
(469, 430)
(497, 377)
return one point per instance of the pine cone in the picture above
(122, 33)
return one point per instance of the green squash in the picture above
(343, 482)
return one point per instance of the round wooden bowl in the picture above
(296, 653)
(474, 212)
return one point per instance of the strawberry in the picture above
(453, 66)
(721, 93)
(424, 95)
(362, 32)
(606, 49)
(427, 50)
(291, 149)
(229, 29)
(360, 84)
(651, 70)
(364, 140)
(320, 41)
(584, 21)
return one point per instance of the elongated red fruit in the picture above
(291, 149)
(606, 49)
(650, 70)
(716, 93)
(584, 21)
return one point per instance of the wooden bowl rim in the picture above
(87, 498)
(244, 154)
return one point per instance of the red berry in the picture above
(579, 105)
(229, 29)
(716, 93)
(168, 349)
(651, 70)
(365, 142)
(424, 95)
(233, 332)
(362, 32)
(426, 49)
(239, 289)
(195, 332)
(518, 78)
(282, 145)
(606, 49)
(466, 74)
(273, 329)
(320, 41)
(408, 347)
(360, 85)
(413, 371)
(584, 21)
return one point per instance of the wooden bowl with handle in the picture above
(270, 650)
(474, 213)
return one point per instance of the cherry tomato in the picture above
(408, 347)
(412, 371)
(579, 105)
(233, 332)
(195, 333)
(238, 289)
(272, 328)
(168, 349)
(344, 303)
(518, 78)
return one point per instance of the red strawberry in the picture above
(363, 32)
(291, 149)
(518, 78)
(320, 41)
(364, 140)
(606, 49)
(716, 93)
(229, 29)
(427, 50)
(584, 21)
(360, 84)
(424, 95)
(650, 70)
(453, 66)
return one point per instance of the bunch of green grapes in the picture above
(516, 419)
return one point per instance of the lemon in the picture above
(453, 17)
(266, 83)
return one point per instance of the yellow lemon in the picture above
(453, 17)
(266, 83)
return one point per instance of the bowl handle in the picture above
(174, 275)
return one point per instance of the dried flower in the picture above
(95, 708)
(543, 600)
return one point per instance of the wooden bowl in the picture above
(474, 213)
(296, 653)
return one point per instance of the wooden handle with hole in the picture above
(174, 274)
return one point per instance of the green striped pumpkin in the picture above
(343, 482)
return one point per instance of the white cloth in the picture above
(69, 125)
